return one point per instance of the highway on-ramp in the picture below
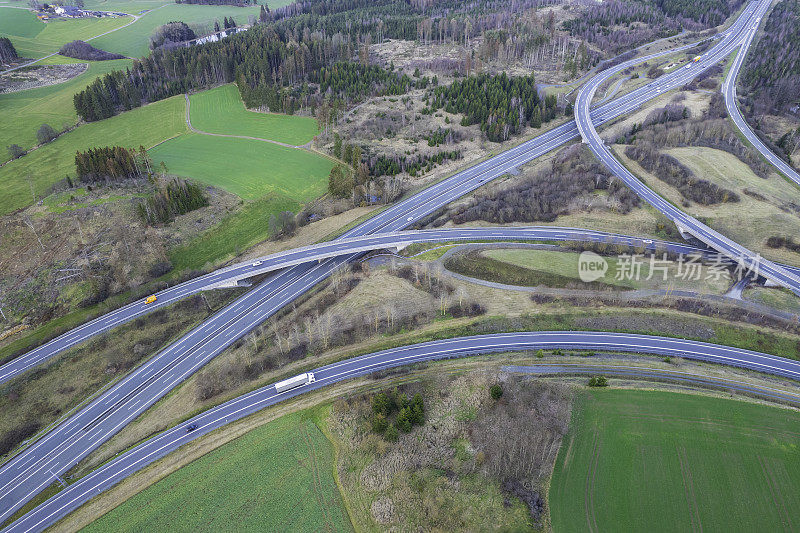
(683, 221)
(729, 91)
(35, 468)
(394, 219)
(160, 445)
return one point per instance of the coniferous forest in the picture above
(502, 105)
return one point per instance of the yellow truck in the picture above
(150, 299)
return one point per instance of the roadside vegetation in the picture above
(284, 481)
(36, 399)
(24, 111)
(559, 269)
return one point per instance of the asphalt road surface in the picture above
(35, 468)
(736, 252)
(729, 91)
(160, 445)
(234, 274)
(396, 218)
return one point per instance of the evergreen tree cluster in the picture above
(260, 60)
(383, 165)
(353, 81)
(502, 105)
(341, 182)
(407, 413)
(7, 50)
(177, 198)
(170, 33)
(110, 163)
(441, 136)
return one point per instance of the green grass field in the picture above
(659, 461)
(235, 234)
(278, 477)
(133, 41)
(135, 6)
(552, 268)
(247, 168)
(45, 166)
(221, 110)
(24, 111)
(33, 38)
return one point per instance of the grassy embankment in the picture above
(659, 461)
(526, 267)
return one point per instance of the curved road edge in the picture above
(729, 92)
(160, 445)
(231, 275)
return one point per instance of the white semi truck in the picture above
(297, 381)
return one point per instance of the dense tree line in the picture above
(771, 73)
(170, 33)
(441, 21)
(110, 163)
(706, 12)
(617, 25)
(383, 165)
(85, 51)
(7, 50)
(673, 172)
(545, 195)
(177, 198)
(502, 105)
(262, 61)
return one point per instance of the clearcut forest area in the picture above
(660, 461)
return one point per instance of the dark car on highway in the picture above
(190, 428)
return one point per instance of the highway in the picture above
(684, 222)
(35, 468)
(233, 275)
(396, 218)
(729, 91)
(160, 445)
(655, 374)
